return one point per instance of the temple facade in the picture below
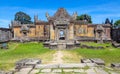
(61, 28)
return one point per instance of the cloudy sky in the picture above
(98, 9)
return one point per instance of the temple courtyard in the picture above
(63, 61)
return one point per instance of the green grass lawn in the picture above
(19, 51)
(109, 54)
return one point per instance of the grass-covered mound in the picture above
(19, 51)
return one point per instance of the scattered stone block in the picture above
(86, 61)
(116, 45)
(98, 61)
(24, 63)
(115, 65)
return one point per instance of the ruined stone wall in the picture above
(32, 32)
(17, 32)
(71, 31)
(90, 31)
(84, 31)
(40, 30)
(108, 32)
(5, 34)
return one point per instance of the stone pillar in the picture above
(71, 32)
(52, 34)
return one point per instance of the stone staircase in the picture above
(73, 68)
(61, 46)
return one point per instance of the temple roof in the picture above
(61, 13)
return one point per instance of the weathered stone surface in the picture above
(46, 66)
(46, 70)
(115, 65)
(24, 71)
(68, 70)
(86, 61)
(91, 71)
(100, 71)
(91, 47)
(34, 71)
(98, 61)
(27, 63)
(91, 64)
(2, 72)
(79, 71)
(72, 65)
(115, 44)
(57, 71)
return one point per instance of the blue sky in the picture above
(98, 9)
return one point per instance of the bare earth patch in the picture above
(71, 57)
(57, 57)
(64, 56)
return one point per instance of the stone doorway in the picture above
(61, 34)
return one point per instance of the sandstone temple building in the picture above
(61, 28)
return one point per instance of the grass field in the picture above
(109, 54)
(19, 51)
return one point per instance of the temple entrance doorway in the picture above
(61, 33)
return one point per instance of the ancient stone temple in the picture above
(62, 30)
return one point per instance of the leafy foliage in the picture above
(85, 17)
(23, 18)
(117, 23)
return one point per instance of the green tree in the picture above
(85, 17)
(23, 18)
(117, 23)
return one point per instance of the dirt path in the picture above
(57, 57)
(65, 56)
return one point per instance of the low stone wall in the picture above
(91, 47)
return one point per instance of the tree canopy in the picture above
(23, 18)
(117, 23)
(85, 17)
